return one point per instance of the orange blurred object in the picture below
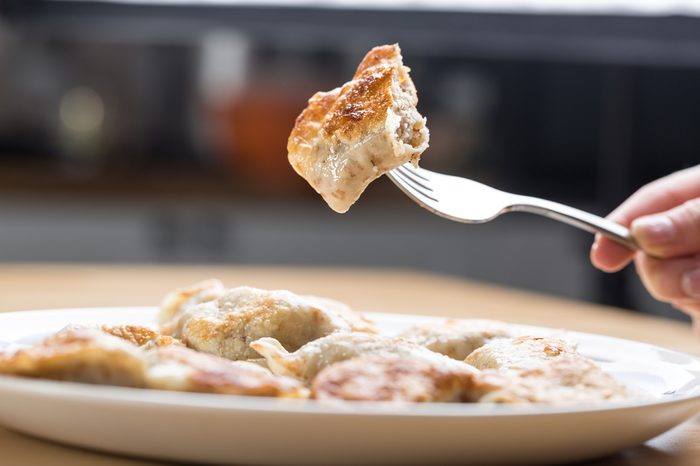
(253, 132)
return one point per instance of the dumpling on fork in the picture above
(456, 338)
(227, 325)
(348, 137)
(305, 363)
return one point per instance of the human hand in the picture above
(664, 219)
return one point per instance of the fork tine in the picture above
(409, 189)
(408, 166)
(408, 185)
(414, 178)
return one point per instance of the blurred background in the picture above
(155, 131)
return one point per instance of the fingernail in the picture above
(691, 283)
(654, 229)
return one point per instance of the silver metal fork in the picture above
(467, 201)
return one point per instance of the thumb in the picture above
(673, 233)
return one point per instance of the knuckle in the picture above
(686, 219)
(692, 209)
(648, 190)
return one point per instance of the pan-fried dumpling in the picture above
(173, 308)
(78, 354)
(311, 358)
(541, 369)
(226, 326)
(92, 355)
(382, 378)
(348, 137)
(456, 338)
(182, 369)
(561, 381)
(522, 352)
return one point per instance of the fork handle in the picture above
(577, 218)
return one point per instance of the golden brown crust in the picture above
(308, 124)
(91, 355)
(80, 355)
(227, 326)
(362, 104)
(378, 378)
(522, 352)
(564, 381)
(378, 56)
(353, 110)
(140, 335)
(538, 369)
(206, 373)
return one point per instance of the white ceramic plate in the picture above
(245, 430)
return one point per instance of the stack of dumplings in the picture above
(274, 343)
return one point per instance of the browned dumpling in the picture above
(523, 352)
(561, 381)
(391, 378)
(313, 357)
(541, 369)
(173, 308)
(348, 137)
(91, 355)
(183, 369)
(77, 354)
(456, 338)
(226, 326)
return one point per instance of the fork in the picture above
(467, 201)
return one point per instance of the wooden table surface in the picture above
(38, 286)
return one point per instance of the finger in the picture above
(672, 279)
(673, 233)
(658, 196)
(692, 308)
(608, 255)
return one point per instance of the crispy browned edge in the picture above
(353, 110)
(399, 378)
(140, 335)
